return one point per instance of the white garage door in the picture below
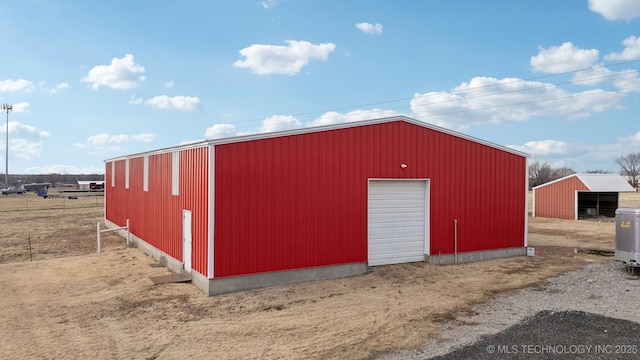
(397, 221)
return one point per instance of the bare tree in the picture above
(539, 173)
(561, 172)
(630, 167)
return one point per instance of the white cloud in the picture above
(61, 86)
(22, 130)
(279, 123)
(134, 100)
(368, 28)
(143, 137)
(25, 141)
(616, 9)
(563, 58)
(630, 52)
(269, 4)
(121, 74)
(16, 85)
(21, 107)
(168, 84)
(627, 81)
(283, 60)
(104, 138)
(106, 143)
(489, 100)
(24, 149)
(633, 139)
(218, 131)
(593, 76)
(270, 124)
(53, 90)
(98, 149)
(333, 117)
(543, 148)
(559, 153)
(183, 103)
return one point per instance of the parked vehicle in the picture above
(43, 192)
(13, 190)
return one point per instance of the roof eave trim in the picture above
(314, 129)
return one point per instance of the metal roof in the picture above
(313, 129)
(599, 182)
(605, 182)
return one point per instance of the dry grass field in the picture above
(70, 302)
(53, 227)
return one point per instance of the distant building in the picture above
(579, 196)
(87, 185)
(37, 186)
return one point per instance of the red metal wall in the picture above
(301, 201)
(155, 215)
(194, 196)
(558, 199)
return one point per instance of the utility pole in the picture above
(6, 108)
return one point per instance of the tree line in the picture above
(541, 172)
(55, 179)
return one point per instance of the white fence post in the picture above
(114, 229)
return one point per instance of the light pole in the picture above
(6, 108)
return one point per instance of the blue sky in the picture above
(92, 80)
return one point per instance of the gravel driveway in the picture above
(592, 313)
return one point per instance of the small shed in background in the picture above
(87, 185)
(37, 186)
(579, 196)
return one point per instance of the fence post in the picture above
(114, 229)
(98, 227)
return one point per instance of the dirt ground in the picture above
(71, 302)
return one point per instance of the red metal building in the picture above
(579, 196)
(321, 202)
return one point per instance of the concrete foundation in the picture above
(475, 256)
(246, 282)
(161, 257)
(225, 285)
(254, 281)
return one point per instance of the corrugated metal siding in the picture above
(194, 195)
(116, 196)
(301, 201)
(155, 215)
(558, 200)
